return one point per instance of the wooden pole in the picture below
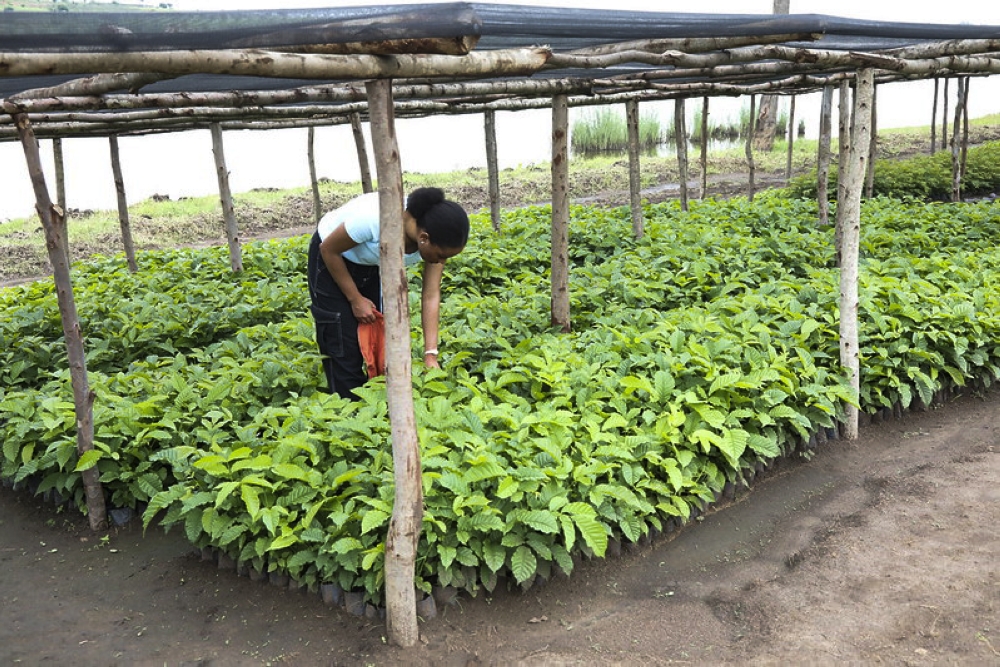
(54, 227)
(680, 136)
(934, 108)
(704, 147)
(944, 114)
(956, 145)
(359, 143)
(791, 140)
(407, 510)
(226, 197)
(60, 165)
(313, 180)
(123, 220)
(492, 168)
(823, 158)
(965, 126)
(843, 163)
(872, 147)
(634, 173)
(560, 214)
(850, 204)
(751, 167)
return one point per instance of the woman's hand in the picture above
(431, 360)
(364, 310)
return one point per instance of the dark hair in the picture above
(446, 223)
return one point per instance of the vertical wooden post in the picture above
(965, 126)
(934, 107)
(634, 173)
(123, 221)
(407, 510)
(791, 140)
(313, 180)
(872, 147)
(704, 147)
(956, 146)
(54, 226)
(57, 157)
(680, 137)
(560, 213)
(944, 114)
(751, 167)
(823, 158)
(359, 143)
(850, 204)
(842, 163)
(492, 167)
(226, 197)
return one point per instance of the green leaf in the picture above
(523, 564)
(593, 533)
(251, 499)
(541, 520)
(373, 519)
(494, 555)
(88, 460)
(284, 540)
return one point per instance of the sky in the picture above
(983, 12)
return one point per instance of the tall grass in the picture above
(605, 129)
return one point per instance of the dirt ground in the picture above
(883, 551)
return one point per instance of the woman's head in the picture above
(445, 222)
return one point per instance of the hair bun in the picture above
(423, 200)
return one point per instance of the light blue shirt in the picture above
(360, 218)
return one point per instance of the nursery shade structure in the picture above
(68, 74)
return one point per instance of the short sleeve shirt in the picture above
(360, 218)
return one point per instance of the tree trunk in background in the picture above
(407, 509)
(767, 117)
(492, 168)
(123, 221)
(680, 137)
(823, 156)
(359, 143)
(226, 198)
(313, 181)
(751, 168)
(54, 227)
(704, 147)
(634, 173)
(849, 213)
(842, 164)
(560, 214)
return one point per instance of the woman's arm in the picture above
(430, 309)
(337, 242)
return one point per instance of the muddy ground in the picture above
(883, 551)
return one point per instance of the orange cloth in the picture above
(371, 338)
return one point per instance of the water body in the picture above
(181, 164)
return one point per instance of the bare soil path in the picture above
(883, 551)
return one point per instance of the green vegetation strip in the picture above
(700, 352)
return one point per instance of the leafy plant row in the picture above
(697, 353)
(925, 177)
(182, 300)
